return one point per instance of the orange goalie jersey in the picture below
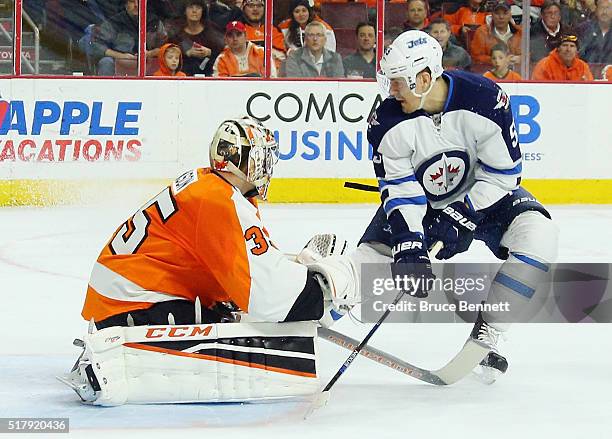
(199, 237)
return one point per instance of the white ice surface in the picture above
(559, 384)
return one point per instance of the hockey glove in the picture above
(455, 227)
(410, 260)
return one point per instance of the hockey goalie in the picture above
(190, 301)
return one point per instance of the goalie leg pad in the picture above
(224, 362)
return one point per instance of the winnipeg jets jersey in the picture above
(469, 151)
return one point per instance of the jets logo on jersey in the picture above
(443, 174)
(503, 101)
(372, 122)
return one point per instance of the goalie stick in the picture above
(472, 353)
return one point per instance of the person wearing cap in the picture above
(300, 14)
(500, 30)
(563, 63)
(596, 38)
(253, 17)
(240, 58)
(314, 60)
(545, 34)
(200, 40)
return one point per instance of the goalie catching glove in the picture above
(336, 274)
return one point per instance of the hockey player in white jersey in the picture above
(448, 163)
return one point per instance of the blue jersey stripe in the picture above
(532, 262)
(396, 202)
(382, 183)
(514, 285)
(516, 170)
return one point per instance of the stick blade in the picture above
(320, 400)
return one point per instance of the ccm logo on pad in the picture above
(178, 331)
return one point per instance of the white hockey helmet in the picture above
(247, 149)
(410, 53)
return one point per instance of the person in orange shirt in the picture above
(563, 63)
(240, 57)
(501, 60)
(501, 29)
(469, 16)
(254, 20)
(201, 242)
(170, 61)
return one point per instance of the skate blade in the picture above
(485, 374)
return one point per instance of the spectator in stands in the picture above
(500, 30)
(362, 63)
(300, 14)
(314, 60)
(170, 61)
(117, 38)
(200, 40)
(453, 56)
(240, 57)
(576, 12)
(221, 12)
(596, 39)
(416, 15)
(563, 63)
(467, 17)
(546, 33)
(606, 73)
(501, 58)
(253, 19)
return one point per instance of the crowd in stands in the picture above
(569, 39)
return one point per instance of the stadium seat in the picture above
(344, 15)
(395, 15)
(597, 70)
(480, 68)
(126, 67)
(346, 43)
(450, 7)
(280, 9)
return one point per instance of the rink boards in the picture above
(79, 140)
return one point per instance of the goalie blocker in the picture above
(225, 362)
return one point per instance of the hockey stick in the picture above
(360, 186)
(322, 398)
(461, 365)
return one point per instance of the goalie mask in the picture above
(409, 54)
(247, 149)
